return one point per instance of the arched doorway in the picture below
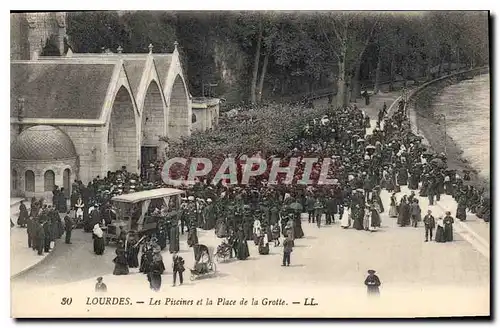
(153, 126)
(29, 181)
(14, 179)
(67, 182)
(49, 181)
(122, 136)
(178, 117)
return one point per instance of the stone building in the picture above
(30, 32)
(79, 116)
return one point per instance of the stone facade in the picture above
(30, 32)
(206, 111)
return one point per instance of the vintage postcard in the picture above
(257, 164)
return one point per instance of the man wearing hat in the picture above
(100, 287)
(448, 226)
(372, 283)
(68, 227)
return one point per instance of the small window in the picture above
(29, 181)
(49, 180)
(193, 118)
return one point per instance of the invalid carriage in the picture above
(140, 212)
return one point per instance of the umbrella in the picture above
(295, 206)
(370, 147)
(442, 156)
(361, 140)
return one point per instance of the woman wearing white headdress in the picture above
(257, 230)
(79, 208)
(345, 220)
(367, 219)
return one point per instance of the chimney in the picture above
(20, 112)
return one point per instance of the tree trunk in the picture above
(253, 96)
(341, 81)
(355, 83)
(262, 77)
(391, 80)
(377, 74)
(441, 62)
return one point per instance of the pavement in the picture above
(418, 278)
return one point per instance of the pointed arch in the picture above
(122, 144)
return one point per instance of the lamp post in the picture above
(442, 116)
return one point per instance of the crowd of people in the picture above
(388, 157)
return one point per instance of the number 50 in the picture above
(66, 301)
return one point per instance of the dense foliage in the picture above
(267, 129)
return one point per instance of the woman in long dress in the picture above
(132, 251)
(154, 276)
(345, 221)
(404, 212)
(377, 200)
(157, 260)
(121, 265)
(174, 238)
(98, 236)
(257, 229)
(367, 219)
(393, 211)
(461, 210)
(372, 283)
(263, 245)
(358, 216)
(192, 236)
(221, 228)
(439, 231)
(79, 209)
(242, 246)
(23, 215)
(375, 221)
(275, 232)
(297, 227)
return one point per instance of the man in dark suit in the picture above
(40, 237)
(68, 227)
(430, 224)
(287, 251)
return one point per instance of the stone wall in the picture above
(200, 124)
(30, 31)
(40, 169)
(122, 143)
(153, 117)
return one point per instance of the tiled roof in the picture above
(162, 63)
(60, 90)
(42, 142)
(134, 70)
